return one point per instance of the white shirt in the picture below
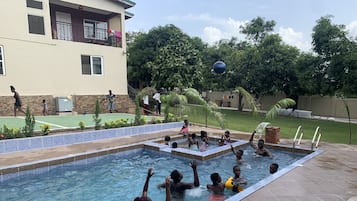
(146, 100)
(157, 97)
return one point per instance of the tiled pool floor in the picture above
(330, 176)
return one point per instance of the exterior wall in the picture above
(328, 106)
(39, 66)
(81, 104)
(320, 106)
(86, 104)
(223, 98)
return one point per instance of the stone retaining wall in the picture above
(81, 104)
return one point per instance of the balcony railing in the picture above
(95, 33)
(64, 31)
(89, 35)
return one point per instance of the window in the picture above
(34, 4)
(2, 64)
(92, 65)
(36, 24)
(95, 30)
(64, 26)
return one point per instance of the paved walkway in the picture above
(331, 176)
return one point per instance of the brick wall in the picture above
(81, 104)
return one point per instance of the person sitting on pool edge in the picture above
(259, 149)
(184, 129)
(177, 188)
(273, 168)
(144, 196)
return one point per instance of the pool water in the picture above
(121, 176)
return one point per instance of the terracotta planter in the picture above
(272, 134)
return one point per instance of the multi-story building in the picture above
(63, 48)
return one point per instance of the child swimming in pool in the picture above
(225, 139)
(273, 168)
(217, 187)
(192, 140)
(204, 141)
(238, 181)
(260, 150)
(238, 154)
(178, 188)
(144, 196)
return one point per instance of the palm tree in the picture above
(272, 112)
(179, 101)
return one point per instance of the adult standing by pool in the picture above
(110, 97)
(157, 98)
(17, 104)
(177, 188)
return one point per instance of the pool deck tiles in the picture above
(330, 176)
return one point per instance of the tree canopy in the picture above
(165, 57)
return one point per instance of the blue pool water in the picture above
(121, 176)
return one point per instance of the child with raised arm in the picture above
(238, 154)
(144, 196)
(177, 188)
(259, 149)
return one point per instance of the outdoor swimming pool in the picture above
(121, 176)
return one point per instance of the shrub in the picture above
(28, 130)
(96, 119)
(11, 133)
(45, 128)
(81, 125)
(117, 123)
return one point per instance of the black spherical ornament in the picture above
(219, 67)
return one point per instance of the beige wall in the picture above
(38, 65)
(328, 106)
(320, 106)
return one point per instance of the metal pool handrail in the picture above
(298, 131)
(318, 134)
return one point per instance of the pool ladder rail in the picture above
(300, 133)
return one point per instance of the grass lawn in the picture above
(332, 131)
(66, 121)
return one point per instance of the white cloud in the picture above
(352, 29)
(217, 28)
(214, 28)
(297, 39)
(211, 34)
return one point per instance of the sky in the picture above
(213, 20)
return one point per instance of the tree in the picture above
(177, 64)
(164, 57)
(269, 67)
(257, 29)
(178, 100)
(338, 54)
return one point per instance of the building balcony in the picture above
(76, 23)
